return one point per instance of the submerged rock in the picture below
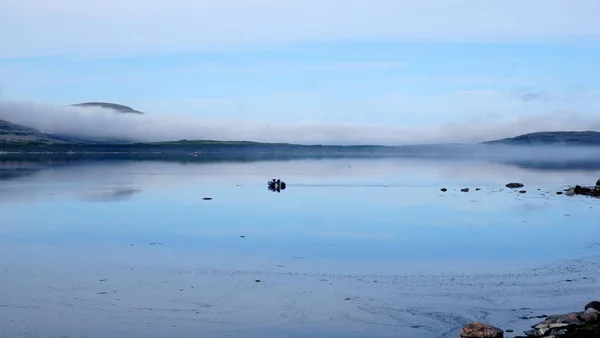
(481, 330)
(514, 185)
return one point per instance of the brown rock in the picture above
(480, 330)
(593, 305)
(570, 318)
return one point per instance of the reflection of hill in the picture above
(17, 168)
(14, 166)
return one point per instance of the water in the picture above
(352, 248)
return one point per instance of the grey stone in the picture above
(590, 316)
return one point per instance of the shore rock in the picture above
(514, 185)
(590, 316)
(586, 191)
(593, 305)
(480, 330)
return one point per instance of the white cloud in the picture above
(117, 27)
(274, 67)
(160, 127)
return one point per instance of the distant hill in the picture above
(552, 138)
(106, 105)
(11, 133)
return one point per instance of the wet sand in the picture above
(141, 291)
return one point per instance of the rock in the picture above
(480, 330)
(586, 191)
(207, 198)
(593, 305)
(444, 189)
(464, 189)
(477, 189)
(563, 321)
(522, 191)
(590, 316)
(559, 192)
(598, 183)
(514, 185)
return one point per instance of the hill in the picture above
(106, 105)
(11, 133)
(580, 138)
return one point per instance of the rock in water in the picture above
(522, 191)
(570, 192)
(514, 185)
(444, 189)
(480, 330)
(593, 305)
(465, 190)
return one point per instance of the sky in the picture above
(383, 71)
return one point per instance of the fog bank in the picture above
(104, 123)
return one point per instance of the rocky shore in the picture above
(592, 191)
(584, 324)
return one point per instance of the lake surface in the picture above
(354, 247)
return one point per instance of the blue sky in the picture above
(407, 64)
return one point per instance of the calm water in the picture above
(131, 249)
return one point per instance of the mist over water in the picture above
(103, 123)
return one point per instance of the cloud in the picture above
(115, 27)
(288, 68)
(101, 123)
(532, 95)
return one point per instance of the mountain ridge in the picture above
(108, 105)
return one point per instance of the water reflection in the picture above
(114, 195)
